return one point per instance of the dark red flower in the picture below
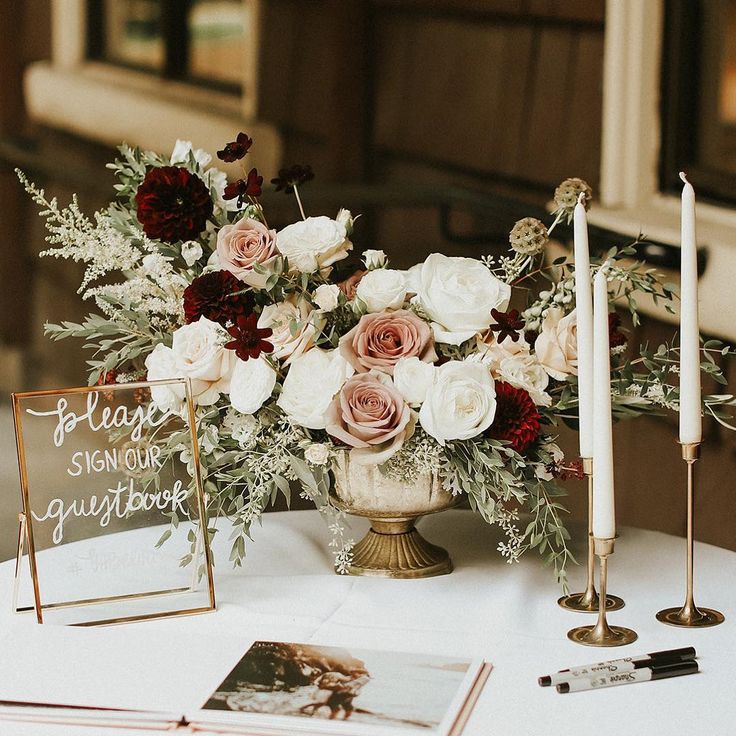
(249, 339)
(291, 177)
(507, 324)
(214, 296)
(235, 150)
(571, 469)
(107, 379)
(517, 417)
(242, 188)
(172, 204)
(616, 338)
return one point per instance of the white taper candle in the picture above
(691, 422)
(584, 309)
(604, 516)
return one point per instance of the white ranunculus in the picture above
(525, 371)
(200, 355)
(191, 252)
(241, 427)
(294, 327)
(457, 294)
(381, 289)
(314, 243)
(413, 377)
(374, 259)
(542, 471)
(312, 381)
(492, 352)
(160, 365)
(460, 403)
(252, 384)
(182, 149)
(327, 297)
(557, 345)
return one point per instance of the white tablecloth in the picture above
(504, 613)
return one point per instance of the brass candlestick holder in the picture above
(587, 601)
(602, 634)
(689, 615)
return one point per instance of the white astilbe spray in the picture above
(96, 243)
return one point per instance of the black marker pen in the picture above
(619, 665)
(642, 674)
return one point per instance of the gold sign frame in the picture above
(25, 526)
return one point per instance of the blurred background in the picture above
(441, 121)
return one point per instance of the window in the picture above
(199, 41)
(699, 97)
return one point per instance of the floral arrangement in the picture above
(294, 359)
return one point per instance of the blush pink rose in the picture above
(370, 416)
(380, 340)
(241, 245)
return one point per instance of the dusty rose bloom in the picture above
(241, 245)
(350, 284)
(380, 340)
(370, 416)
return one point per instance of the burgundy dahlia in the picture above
(172, 204)
(249, 340)
(215, 296)
(517, 417)
(235, 150)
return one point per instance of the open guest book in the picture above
(119, 678)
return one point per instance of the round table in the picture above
(486, 608)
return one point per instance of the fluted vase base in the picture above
(393, 548)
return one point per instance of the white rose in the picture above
(160, 365)
(314, 243)
(374, 259)
(290, 342)
(557, 345)
(200, 355)
(252, 384)
(313, 379)
(345, 217)
(460, 403)
(381, 289)
(191, 252)
(525, 371)
(457, 294)
(327, 297)
(413, 377)
(317, 454)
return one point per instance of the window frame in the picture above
(176, 45)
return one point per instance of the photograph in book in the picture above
(387, 689)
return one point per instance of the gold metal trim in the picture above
(689, 615)
(25, 526)
(587, 601)
(602, 634)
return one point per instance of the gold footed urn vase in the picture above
(393, 548)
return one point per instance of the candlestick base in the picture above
(588, 603)
(694, 618)
(608, 636)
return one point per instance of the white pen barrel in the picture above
(609, 680)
